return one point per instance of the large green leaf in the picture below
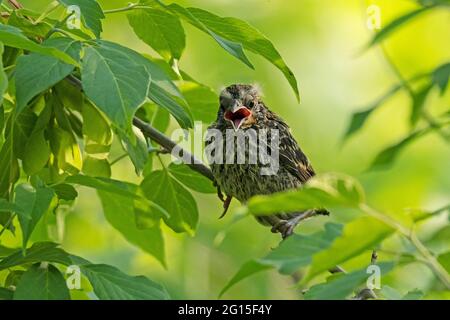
(359, 235)
(34, 203)
(91, 14)
(114, 81)
(122, 213)
(342, 286)
(294, 252)
(42, 283)
(159, 29)
(102, 184)
(36, 72)
(165, 191)
(233, 35)
(13, 37)
(41, 251)
(110, 283)
(191, 179)
(327, 190)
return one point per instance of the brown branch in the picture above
(15, 4)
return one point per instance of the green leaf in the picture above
(137, 150)
(419, 103)
(326, 190)
(96, 129)
(444, 260)
(13, 37)
(3, 80)
(413, 295)
(42, 283)
(159, 29)
(249, 268)
(388, 155)
(359, 118)
(114, 81)
(66, 150)
(6, 294)
(165, 191)
(343, 285)
(95, 167)
(233, 35)
(41, 251)
(65, 191)
(91, 14)
(34, 203)
(37, 153)
(30, 27)
(121, 212)
(395, 24)
(191, 179)
(294, 252)
(102, 184)
(359, 235)
(201, 99)
(110, 283)
(158, 117)
(36, 73)
(10, 167)
(441, 75)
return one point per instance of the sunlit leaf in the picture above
(191, 179)
(327, 190)
(95, 167)
(36, 72)
(234, 35)
(96, 129)
(159, 29)
(91, 13)
(117, 84)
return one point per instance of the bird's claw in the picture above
(226, 204)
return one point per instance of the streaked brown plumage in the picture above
(241, 109)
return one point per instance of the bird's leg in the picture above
(219, 192)
(286, 227)
(226, 204)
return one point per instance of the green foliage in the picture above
(68, 99)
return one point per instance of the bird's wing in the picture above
(291, 156)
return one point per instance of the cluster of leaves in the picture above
(418, 88)
(66, 95)
(338, 244)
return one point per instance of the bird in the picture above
(242, 110)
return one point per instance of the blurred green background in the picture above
(322, 41)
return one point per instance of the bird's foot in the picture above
(226, 205)
(286, 227)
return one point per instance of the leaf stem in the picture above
(118, 159)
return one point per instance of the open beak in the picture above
(237, 116)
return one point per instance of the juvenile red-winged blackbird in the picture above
(242, 109)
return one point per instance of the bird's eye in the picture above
(251, 104)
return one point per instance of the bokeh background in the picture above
(322, 41)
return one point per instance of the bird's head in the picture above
(238, 105)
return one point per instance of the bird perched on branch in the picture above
(245, 125)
